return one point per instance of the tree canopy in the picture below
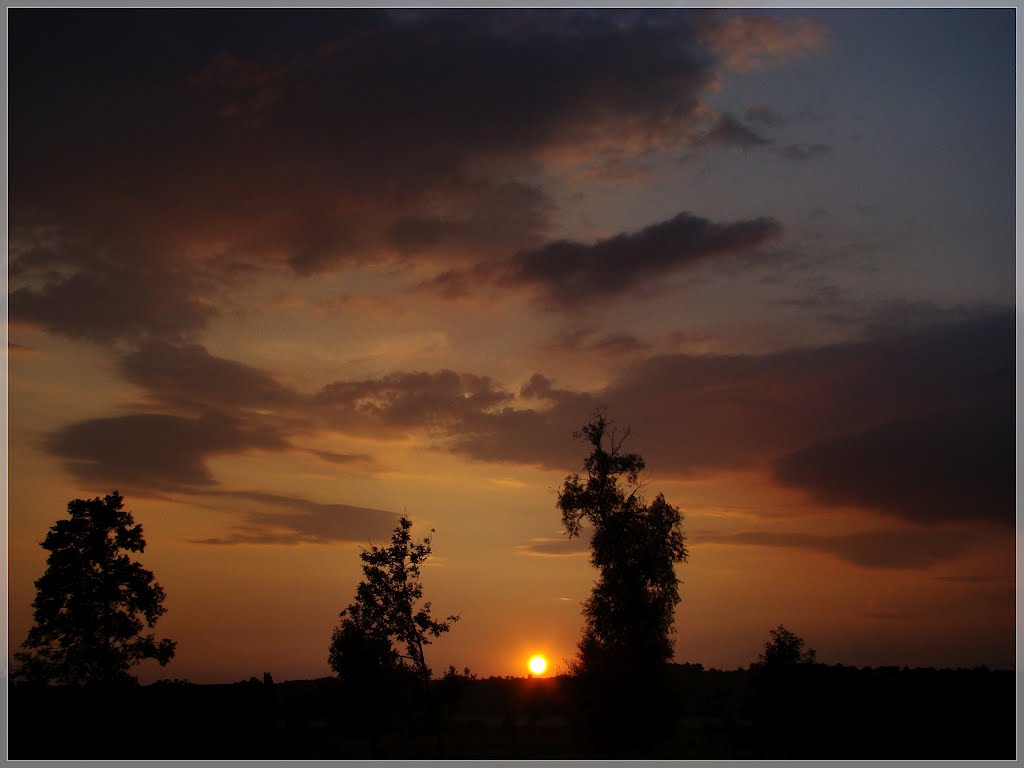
(785, 649)
(93, 601)
(387, 611)
(635, 546)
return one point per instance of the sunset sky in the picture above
(280, 276)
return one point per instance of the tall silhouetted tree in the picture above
(635, 547)
(387, 611)
(93, 601)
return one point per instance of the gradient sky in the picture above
(279, 276)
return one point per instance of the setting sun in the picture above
(537, 664)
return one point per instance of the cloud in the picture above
(748, 42)
(188, 375)
(568, 274)
(728, 131)
(966, 579)
(759, 113)
(106, 301)
(561, 547)
(300, 521)
(804, 152)
(143, 196)
(947, 465)
(154, 451)
(915, 424)
(619, 345)
(200, 405)
(619, 169)
(333, 457)
(911, 548)
(405, 401)
(932, 394)
(611, 344)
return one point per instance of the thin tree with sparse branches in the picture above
(387, 610)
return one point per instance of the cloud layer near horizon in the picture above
(917, 426)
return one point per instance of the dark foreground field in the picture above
(813, 712)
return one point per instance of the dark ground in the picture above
(812, 712)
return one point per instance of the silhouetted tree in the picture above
(386, 610)
(93, 601)
(625, 701)
(785, 649)
(361, 652)
(787, 690)
(635, 547)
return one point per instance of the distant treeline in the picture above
(809, 711)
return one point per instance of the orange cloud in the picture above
(748, 43)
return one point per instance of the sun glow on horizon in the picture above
(538, 664)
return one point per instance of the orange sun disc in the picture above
(537, 664)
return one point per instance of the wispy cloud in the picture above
(549, 547)
(567, 274)
(294, 520)
(729, 131)
(911, 548)
(749, 42)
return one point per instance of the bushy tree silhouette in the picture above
(787, 688)
(785, 649)
(386, 611)
(635, 547)
(93, 601)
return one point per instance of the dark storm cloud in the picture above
(948, 465)
(165, 174)
(103, 302)
(728, 131)
(893, 549)
(153, 452)
(568, 274)
(300, 521)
